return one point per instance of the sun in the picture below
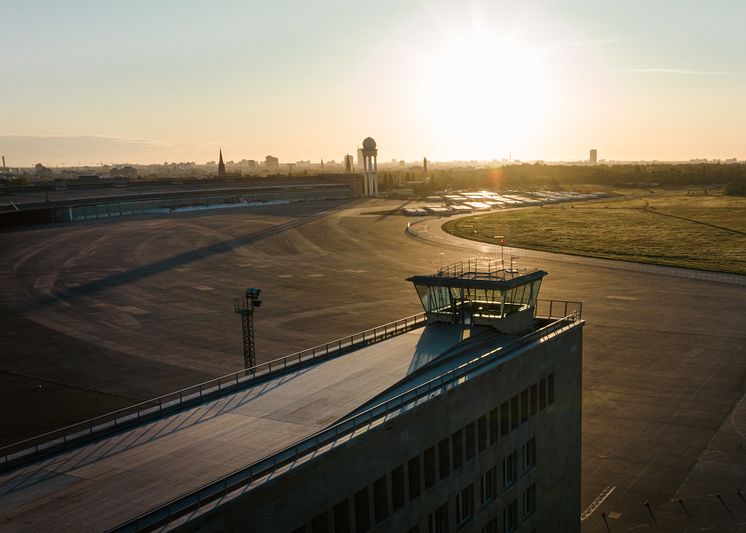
(484, 92)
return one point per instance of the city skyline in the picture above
(106, 83)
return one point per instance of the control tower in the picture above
(480, 291)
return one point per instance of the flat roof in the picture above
(108, 481)
(477, 280)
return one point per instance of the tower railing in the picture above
(474, 268)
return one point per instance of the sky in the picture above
(86, 82)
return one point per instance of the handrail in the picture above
(546, 308)
(196, 499)
(75, 433)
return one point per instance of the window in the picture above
(529, 454)
(429, 467)
(465, 505)
(397, 489)
(491, 526)
(524, 406)
(380, 500)
(550, 392)
(362, 511)
(437, 522)
(470, 442)
(457, 443)
(482, 433)
(504, 419)
(320, 524)
(514, 412)
(493, 426)
(510, 469)
(542, 394)
(414, 477)
(488, 486)
(342, 517)
(529, 500)
(444, 458)
(534, 399)
(510, 516)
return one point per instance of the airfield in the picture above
(98, 315)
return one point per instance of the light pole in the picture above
(246, 310)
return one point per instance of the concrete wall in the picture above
(292, 501)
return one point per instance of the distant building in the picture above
(272, 163)
(221, 166)
(41, 171)
(594, 157)
(424, 165)
(348, 163)
(126, 172)
(359, 158)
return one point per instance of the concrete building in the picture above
(593, 159)
(465, 417)
(348, 164)
(272, 163)
(370, 167)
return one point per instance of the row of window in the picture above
(450, 454)
(437, 521)
(141, 206)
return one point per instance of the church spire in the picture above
(221, 165)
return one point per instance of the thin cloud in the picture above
(561, 45)
(678, 71)
(25, 149)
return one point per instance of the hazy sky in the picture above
(150, 81)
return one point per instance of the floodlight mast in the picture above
(246, 310)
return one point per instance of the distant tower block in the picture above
(348, 164)
(221, 165)
(594, 157)
(424, 165)
(370, 167)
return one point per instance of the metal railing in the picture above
(76, 433)
(474, 268)
(557, 309)
(194, 500)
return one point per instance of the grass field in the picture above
(663, 227)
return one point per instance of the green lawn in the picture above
(709, 233)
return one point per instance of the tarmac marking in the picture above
(625, 298)
(596, 503)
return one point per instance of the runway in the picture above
(102, 314)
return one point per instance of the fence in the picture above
(77, 433)
(195, 500)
